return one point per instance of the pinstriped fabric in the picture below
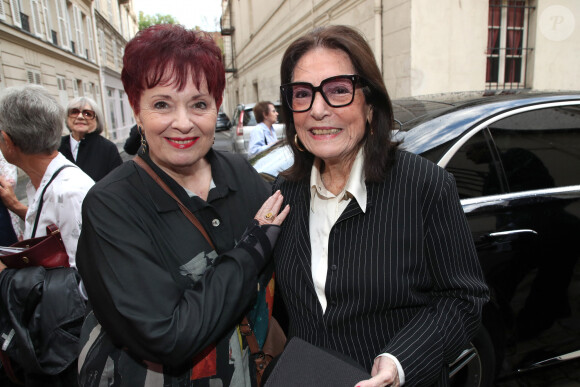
(403, 278)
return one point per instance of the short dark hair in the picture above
(165, 52)
(379, 154)
(261, 109)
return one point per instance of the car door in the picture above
(519, 181)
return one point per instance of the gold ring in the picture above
(269, 216)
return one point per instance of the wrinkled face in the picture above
(80, 124)
(332, 134)
(272, 116)
(178, 125)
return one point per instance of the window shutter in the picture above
(36, 19)
(47, 21)
(91, 43)
(62, 23)
(2, 11)
(15, 7)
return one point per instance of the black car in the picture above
(223, 133)
(516, 162)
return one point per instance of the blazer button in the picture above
(333, 302)
(333, 267)
(215, 222)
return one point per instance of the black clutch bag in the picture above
(303, 364)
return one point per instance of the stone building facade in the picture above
(72, 48)
(423, 47)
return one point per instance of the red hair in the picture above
(170, 54)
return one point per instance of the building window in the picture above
(79, 34)
(33, 77)
(47, 21)
(115, 54)
(2, 11)
(507, 46)
(36, 18)
(91, 48)
(62, 93)
(102, 45)
(63, 24)
(15, 8)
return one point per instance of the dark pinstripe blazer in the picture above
(403, 278)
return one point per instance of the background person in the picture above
(85, 146)
(264, 135)
(30, 131)
(165, 303)
(133, 142)
(376, 259)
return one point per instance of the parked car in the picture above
(244, 122)
(516, 162)
(223, 133)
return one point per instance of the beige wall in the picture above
(556, 62)
(425, 46)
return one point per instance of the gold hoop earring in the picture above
(296, 143)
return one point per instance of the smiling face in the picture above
(178, 125)
(79, 125)
(332, 134)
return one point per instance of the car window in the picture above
(540, 149)
(475, 168)
(249, 119)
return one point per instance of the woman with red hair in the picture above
(165, 300)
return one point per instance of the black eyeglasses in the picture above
(337, 91)
(88, 114)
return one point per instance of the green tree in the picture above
(148, 20)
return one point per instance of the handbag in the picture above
(47, 251)
(275, 338)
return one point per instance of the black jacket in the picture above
(156, 286)
(45, 311)
(403, 276)
(97, 156)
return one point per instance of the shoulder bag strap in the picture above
(245, 328)
(54, 175)
(188, 214)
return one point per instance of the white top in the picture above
(325, 209)
(74, 146)
(62, 203)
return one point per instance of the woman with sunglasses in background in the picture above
(85, 146)
(375, 260)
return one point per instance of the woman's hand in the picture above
(384, 373)
(268, 213)
(9, 198)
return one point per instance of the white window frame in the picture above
(115, 54)
(91, 42)
(47, 21)
(103, 45)
(63, 24)
(502, 55)
(15, 7)
(79, 34)
(36, 18)
(2, 11)
(75, 83)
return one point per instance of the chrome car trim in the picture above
(513, 232)
(552, 361)
(462, 360)
(451, 152)
(569, 192)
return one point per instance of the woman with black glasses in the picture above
(376, 259)
(85, 146)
